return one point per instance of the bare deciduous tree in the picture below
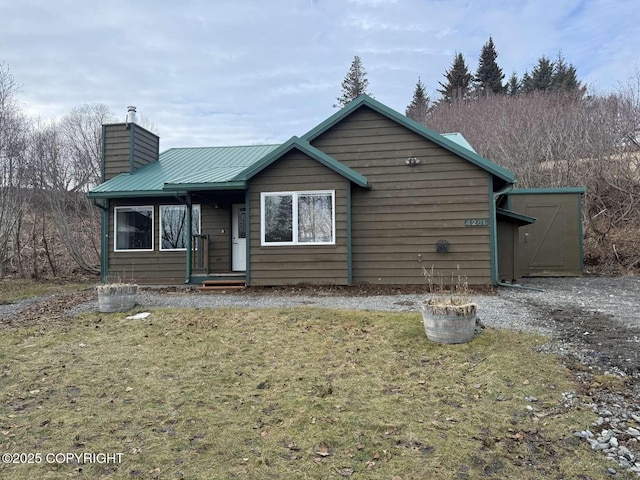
(13, 130)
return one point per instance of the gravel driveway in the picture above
(510, 308)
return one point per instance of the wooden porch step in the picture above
(231, 281)
(221, 288)
(218, 285)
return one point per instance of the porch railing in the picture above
(200, 254)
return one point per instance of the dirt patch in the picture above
(599, 338)
(50, 309)
(357, 290)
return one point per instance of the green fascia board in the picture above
(131, 194)
(515, 217)
(295, 143)
(191, 187)
(544, 191)
(365, 100)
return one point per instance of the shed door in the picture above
(545, 244)
(238, 238)
(552, 245)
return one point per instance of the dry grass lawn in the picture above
(285, 394)
(15, 289)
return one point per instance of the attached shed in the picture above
(552, 246)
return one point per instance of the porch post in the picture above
(493, 234)
(188, 245)
(349, 238)
(247, 267)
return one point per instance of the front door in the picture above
(238, 238)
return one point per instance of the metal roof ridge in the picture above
(226, 146)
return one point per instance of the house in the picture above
(367, 196)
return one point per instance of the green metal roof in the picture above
(459, 139)
(443, 141)
(179, 168)
(211, 168)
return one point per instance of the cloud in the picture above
(226, 71)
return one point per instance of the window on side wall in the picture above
(173, 226)
(298, 218)
(133, 228)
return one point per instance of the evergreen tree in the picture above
(355, 83)
(458, 81)
(540, 78)
(489, 76)
(514, 85)
(419, 106)
(565, 78)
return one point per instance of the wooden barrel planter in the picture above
(117, 297)
(449, 323)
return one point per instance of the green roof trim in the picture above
(443, 141)
(192, 187)
(295, 143)
(543, 191)
(514, 217)
(131, 194)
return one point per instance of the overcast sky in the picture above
(240, 72)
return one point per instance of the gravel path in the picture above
(512, 308)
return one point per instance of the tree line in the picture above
(460, 84)
(48, 226)
(546, 128)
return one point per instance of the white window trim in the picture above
(294, 203)
(162, 207)
(115, 228)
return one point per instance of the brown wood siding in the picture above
(284, 265)
(397, 222)
(117, 150)
(146, 147)
(169, 267)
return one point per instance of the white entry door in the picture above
(238, 238)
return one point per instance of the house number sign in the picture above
(476, 222)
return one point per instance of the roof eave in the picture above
(546, 191)
(130, 194)
(192, 187)
(518, 218)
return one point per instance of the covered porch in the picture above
(216, 250)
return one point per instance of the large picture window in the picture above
(173, 226)
(298, 218)
(133, 228)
